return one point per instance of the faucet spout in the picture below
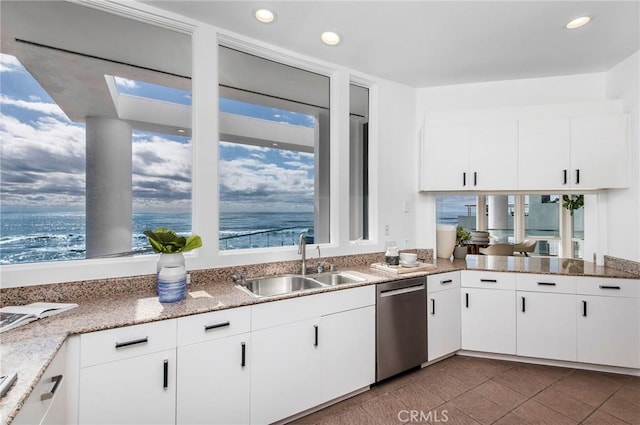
(302, 250)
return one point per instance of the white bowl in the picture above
(408, 257)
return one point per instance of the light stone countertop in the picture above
(29, 349)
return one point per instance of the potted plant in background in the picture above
(171, 273)
(462, 237)
(573, 202)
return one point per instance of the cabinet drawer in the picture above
(442, 281)
(487, 280)
(546, 283)
(611, 287)
(214, 325)
(130, 341)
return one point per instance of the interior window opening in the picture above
(358, 163)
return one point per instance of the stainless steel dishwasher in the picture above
(401, 326)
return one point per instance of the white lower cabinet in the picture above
(47, 404)
(128, 375)
(443, 317)
(213, 375)
(546, 325)
(609, 322)
(488, 320)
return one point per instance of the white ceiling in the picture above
(431, 43)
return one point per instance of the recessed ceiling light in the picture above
(181, 131)
(331, 38)
(578, 22)
(265, 16)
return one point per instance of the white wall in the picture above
(623, 205)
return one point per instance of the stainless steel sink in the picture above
(336, 278)
(278, 285)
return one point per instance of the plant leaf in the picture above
(193, 242)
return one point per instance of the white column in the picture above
(108, 197)
(498, 211)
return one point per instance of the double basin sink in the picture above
(290, 283)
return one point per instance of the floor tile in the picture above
(385, 409)
(601, 418)
(356, 415)
(562, 403)
(602, 382)
(416, 397)
(491, 367)
(450, 415)
(546, 375)
(479, 408)
(510, 419)
(622, 409)
(499, 394)
(444, 386)
(581, 391)
(535, 413)
(522, 380)
(630, 393)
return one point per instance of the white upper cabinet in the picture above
(474, 156)
(599, 152)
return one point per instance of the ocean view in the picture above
(28, 237)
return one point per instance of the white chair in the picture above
(498, 249)
(525, 247)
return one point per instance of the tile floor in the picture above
(468, 390)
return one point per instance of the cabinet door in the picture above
(445, 157)
(493, 156)
(599, 152)
(347, 341)
(443, 323)
(137, 390)
(213, 380)
(488, 320)
(546, 325)
(285, 374)
(544, 154)
(609, 330)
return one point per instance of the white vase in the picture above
(445, 240)
(170, 260)
(171, 278)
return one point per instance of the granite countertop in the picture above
(29, 349)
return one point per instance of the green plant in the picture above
(167, 241)
(575, 202)
(462, 236)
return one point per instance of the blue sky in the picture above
(43, 155)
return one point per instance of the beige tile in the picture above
(562, 403)
(450, 415)
(479, 408)
(601, 418)
(535, 413)
(385, 409)
(622, 409)
(416, 397)
(500, 394)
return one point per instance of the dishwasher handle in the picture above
(392, 292)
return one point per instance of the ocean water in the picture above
(28, 237)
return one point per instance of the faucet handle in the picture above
(320, 267)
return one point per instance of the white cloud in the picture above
(42, 107)
(9, 63)
(125, 82)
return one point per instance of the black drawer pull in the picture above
(315, 343)
(216, 326)
(564, 173)
(56, 382)
(475, 178)
(547, 283)
(244, 355)
(165, 366)
(464, 179)
(523, 304)
(584, 308)
(489, 280)
(577, 176)
(444, 282)
(609, 287)
(466, 300)
(132, 342)
(433, 306)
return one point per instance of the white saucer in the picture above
(403, 264)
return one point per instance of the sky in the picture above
(42, 155)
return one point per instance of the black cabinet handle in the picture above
(475, 178)
(547, 283)
(577, 176)
(165, 382)
(523, 304)
(466, 299)
(56, 382)
(315, 343)
(433, 306)
(564, 176)
(489, 280)
(132, 342)
(216, 326)
(244, 355)
(609, 287)
(444, 282)
(584, 308)
(464, 179)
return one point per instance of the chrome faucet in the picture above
(302, 249)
